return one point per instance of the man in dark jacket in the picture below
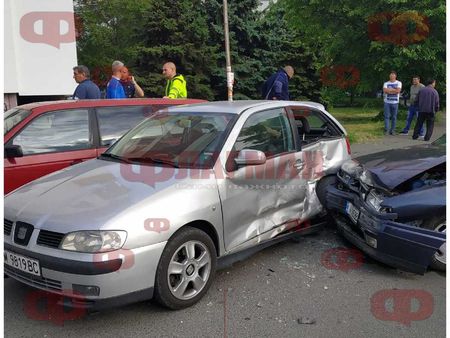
(277, 85)
(86, 89)
(427, 101)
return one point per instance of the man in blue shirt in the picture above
(277, 85)
(86, 89)
(114, 89)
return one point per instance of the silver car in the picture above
(186, 187)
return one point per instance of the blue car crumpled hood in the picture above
(390, 168)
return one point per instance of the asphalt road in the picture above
(291, 289)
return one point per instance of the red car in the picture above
(44, 137)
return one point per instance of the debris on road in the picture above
(306, 320)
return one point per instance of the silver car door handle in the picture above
(298, 164)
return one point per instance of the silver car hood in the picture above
(100, 194)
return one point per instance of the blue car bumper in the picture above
(378, 235)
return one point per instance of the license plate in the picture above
(352, 212)
(22, 263)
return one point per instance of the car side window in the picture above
(268, 131)
(116, 121)
(311, 125)
(56, 131)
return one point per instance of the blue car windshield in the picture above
(185, 140)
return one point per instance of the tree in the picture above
(260, 43)
(375, 36)
(108, 30)
(176, 31)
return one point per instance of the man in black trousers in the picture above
(428, 102)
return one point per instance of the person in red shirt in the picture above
(129, 84)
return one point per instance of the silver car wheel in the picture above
(440, 255)
(189, 270)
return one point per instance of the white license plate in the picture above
(352, 212)
(22, 263)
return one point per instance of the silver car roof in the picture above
(238, 107)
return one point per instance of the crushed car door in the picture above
(259, 201)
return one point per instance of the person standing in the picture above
(114, 89)
(391, 90)
(427, 101)
(86, 89)
(129, 84)
(176, 84)
(412, 110)
(277, 85)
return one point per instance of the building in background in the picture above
(40, 50)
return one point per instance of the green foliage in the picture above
(337, 31)
(108, 30)
(179, 35)
(146, 33)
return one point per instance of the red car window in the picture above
(55, 132)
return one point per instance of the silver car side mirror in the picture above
(250, 157)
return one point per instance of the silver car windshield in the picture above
(187, 140)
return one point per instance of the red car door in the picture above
(50, 142)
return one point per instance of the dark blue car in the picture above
(392, 205)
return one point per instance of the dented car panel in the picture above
(377, 234)
(197, 176)
(385, 208)
(281, 192)
(418, 204)
(391, 168)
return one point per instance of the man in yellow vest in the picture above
(176, 84)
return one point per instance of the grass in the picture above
(364, 124)
(360, 123)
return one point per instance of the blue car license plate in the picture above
(352, 212)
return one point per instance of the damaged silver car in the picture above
(188, 188)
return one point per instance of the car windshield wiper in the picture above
(154, 160)
(116, 157)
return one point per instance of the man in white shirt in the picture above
(391, 90)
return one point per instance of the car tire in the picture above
(321, 188)
(191, 257)
(437, 223)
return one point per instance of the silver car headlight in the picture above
(94, 241)
(374, 200)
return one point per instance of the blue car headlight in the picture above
(374, 200)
